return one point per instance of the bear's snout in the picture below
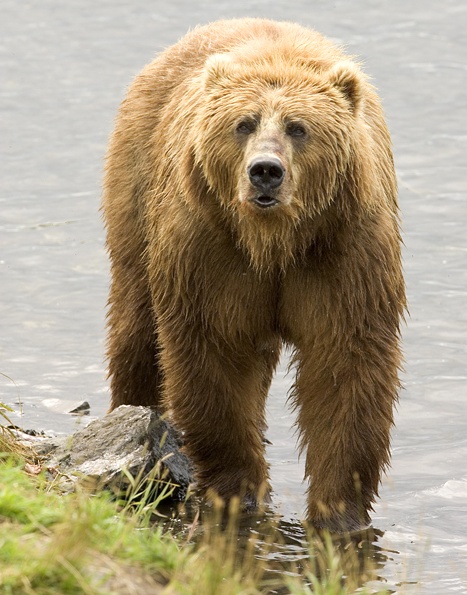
(266, 173)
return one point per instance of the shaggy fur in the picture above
(207, 285)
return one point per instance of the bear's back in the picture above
(190, 53)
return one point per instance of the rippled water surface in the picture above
(64, 69)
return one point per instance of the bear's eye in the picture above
(246, 126)
(295, 129)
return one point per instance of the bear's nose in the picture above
(266, 173)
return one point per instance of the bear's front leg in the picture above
(345, 415)
(215, 392)
(346, 335)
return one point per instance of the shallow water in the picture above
(64, 71)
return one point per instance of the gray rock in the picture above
(82, 408)
(66, 406)
(129, 440)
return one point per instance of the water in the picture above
(64, 69)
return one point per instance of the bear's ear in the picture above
(218, 69)
(348, 78)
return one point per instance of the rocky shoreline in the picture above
(130, 443)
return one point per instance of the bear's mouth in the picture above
(265, 202)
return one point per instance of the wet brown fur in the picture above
(206, 287)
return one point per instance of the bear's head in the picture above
(274, 136)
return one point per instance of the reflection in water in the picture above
(274, 548)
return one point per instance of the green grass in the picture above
(70, 544)
(81, 543)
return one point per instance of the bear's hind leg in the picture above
(134, 371)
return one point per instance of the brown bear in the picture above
(250, 202)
